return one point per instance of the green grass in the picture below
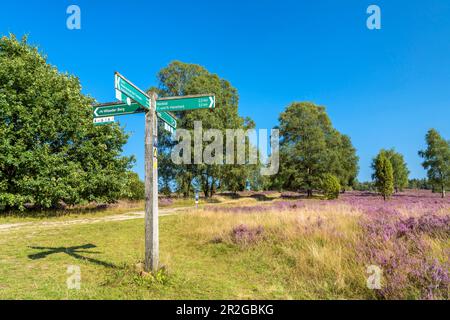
(290, 264)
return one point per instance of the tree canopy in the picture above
(399, 168)
(310, 148)
(179, 79)
(50, 151)
(437, 160)
(383, 175)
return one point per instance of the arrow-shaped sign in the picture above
(131, 91)
(186, 103)
(116, 109)
(168, 119)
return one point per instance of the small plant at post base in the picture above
(331, 186)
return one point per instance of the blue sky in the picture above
(385, 88)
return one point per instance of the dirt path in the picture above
(119, 217)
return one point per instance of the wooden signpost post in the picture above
(134, 100)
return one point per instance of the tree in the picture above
(134, 189)
(179, 79)
(345, 167)
(310, 148)
(437, 160)
(399, 167)
(383, 175)
(50, 151)
(331, 186)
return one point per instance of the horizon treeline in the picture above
(51, 154)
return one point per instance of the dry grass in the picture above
(313, 248)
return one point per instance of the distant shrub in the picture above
(164, 202)
(134, 188)
(331, 186)
(245, 235)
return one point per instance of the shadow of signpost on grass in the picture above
(71, 251)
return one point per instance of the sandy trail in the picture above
(119, 217)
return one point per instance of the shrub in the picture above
(245, 235)
(331, 186)
(134, 188)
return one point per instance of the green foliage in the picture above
(134, 188)
(383, 175)
(399, 167)
(310, 148)
(437, 161)
(364, 186)
(331, 186)
(180, 78)
(422, 184)
(50, 152)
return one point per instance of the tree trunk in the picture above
(309, 193)
(211, 190)
(206, 188)
(188, 189)
(443, 191)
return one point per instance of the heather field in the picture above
(258, 246)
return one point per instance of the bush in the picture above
(331, 187)
(135, 187)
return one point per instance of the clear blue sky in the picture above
(384, 88)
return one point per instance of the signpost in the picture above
(168, 119)
(186, 103)
(116, 109)
(131, 91)
(134, 100)
(196, 199)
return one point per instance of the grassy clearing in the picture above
(202, 261)
(94, 211)
(237, 248)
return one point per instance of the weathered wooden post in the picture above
(151, 262)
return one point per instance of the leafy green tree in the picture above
(180, 78)
(383, 175)
(50, 151)
(134, 188)
(437, 160)
(331, 186)
(399, 167)
(344, 161)
(310, 148)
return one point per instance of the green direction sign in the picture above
(131, 91)
(116, 109)
(186, 103)
(123, 97)
(167, 118)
